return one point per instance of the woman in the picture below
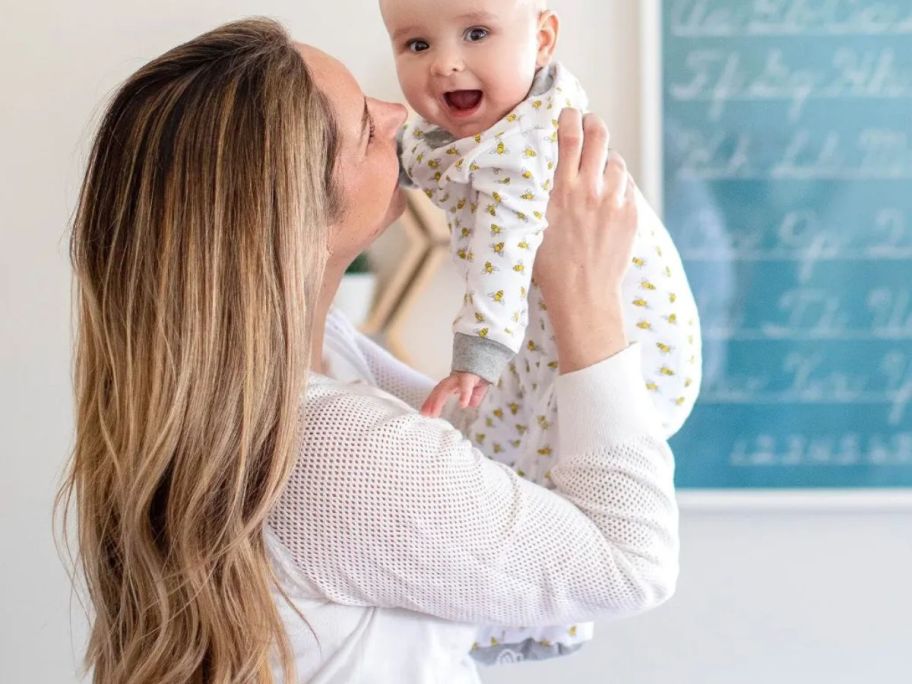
(256, 500)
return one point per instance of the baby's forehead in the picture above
(400, 12)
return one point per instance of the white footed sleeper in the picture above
(494, 188)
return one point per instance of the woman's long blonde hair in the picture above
(198, 246)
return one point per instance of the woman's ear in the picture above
(548, 28)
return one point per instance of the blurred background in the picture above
(796, 555)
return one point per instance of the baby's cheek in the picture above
(416, 93)
(425, 105)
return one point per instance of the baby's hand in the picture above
(470, 388)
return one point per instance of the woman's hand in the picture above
(587, 247)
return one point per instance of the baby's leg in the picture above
(497, 645)
(661, 314)
(516, 424)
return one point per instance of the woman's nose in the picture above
(395, 116)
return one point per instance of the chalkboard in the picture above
(787, 186)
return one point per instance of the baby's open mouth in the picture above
(463, 101)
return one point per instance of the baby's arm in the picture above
(510, 182)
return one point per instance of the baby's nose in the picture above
(448, 62)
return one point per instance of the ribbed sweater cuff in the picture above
(604, 402)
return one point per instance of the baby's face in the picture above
(464, 64)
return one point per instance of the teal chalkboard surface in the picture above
(787, 185)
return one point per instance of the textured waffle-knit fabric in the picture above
(388, 510)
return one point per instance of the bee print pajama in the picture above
(494, 188)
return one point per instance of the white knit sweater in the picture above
(395, 536)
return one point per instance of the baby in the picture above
(481, 75)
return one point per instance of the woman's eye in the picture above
(473, 35)
(417, 45)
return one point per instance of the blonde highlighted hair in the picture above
(198, 246)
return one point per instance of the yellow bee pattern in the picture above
(508, 171)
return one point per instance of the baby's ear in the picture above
(548, 28)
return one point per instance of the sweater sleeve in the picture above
(390, 374)
(387, 508)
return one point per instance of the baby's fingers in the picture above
(428, 408)
(433, 405)
(467, 384)
(478, 394)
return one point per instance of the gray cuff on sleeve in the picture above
(529, 649)
(485, 358)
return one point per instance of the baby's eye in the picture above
(417, 45)
(473, 35)
(371, 131)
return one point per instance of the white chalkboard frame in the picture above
(650, 182)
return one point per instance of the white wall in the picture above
(789, 598)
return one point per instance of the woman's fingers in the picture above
(630, 189)
(594, 154)
(569, 143)
(616, 178)
(583, 153)
(591, 215)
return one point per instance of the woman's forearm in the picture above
(589, 332)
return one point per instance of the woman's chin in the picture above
(395, 210)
